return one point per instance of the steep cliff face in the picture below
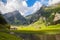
(35, 16)
(50, 14)
(57, 17)
(15, 18)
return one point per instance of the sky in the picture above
(25, 7)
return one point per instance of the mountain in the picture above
(35, 16)
(2, 20)
(43, 19)
(15, 18)
(47, 13)
(3, 23)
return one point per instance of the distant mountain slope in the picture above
(2, 20)
(15, 18)
(35, 16)
(47, 13)
(52, 13)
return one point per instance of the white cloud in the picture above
(34, 8)
(24, 3)
(12, 5)
(53, 2)
(20, 5)
(2, 8)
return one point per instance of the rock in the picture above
(57, 17)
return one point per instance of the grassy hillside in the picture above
(4, 27)
(39, 27)
(45, 24)
(5, 36)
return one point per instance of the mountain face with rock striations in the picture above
(15, 18)
(47, 13)
(35, 16)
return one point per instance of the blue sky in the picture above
(5, 1)
(31, 2)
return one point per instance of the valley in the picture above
(44, 24)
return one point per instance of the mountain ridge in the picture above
(15, 18)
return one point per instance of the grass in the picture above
(5, 36)
(39, 27)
